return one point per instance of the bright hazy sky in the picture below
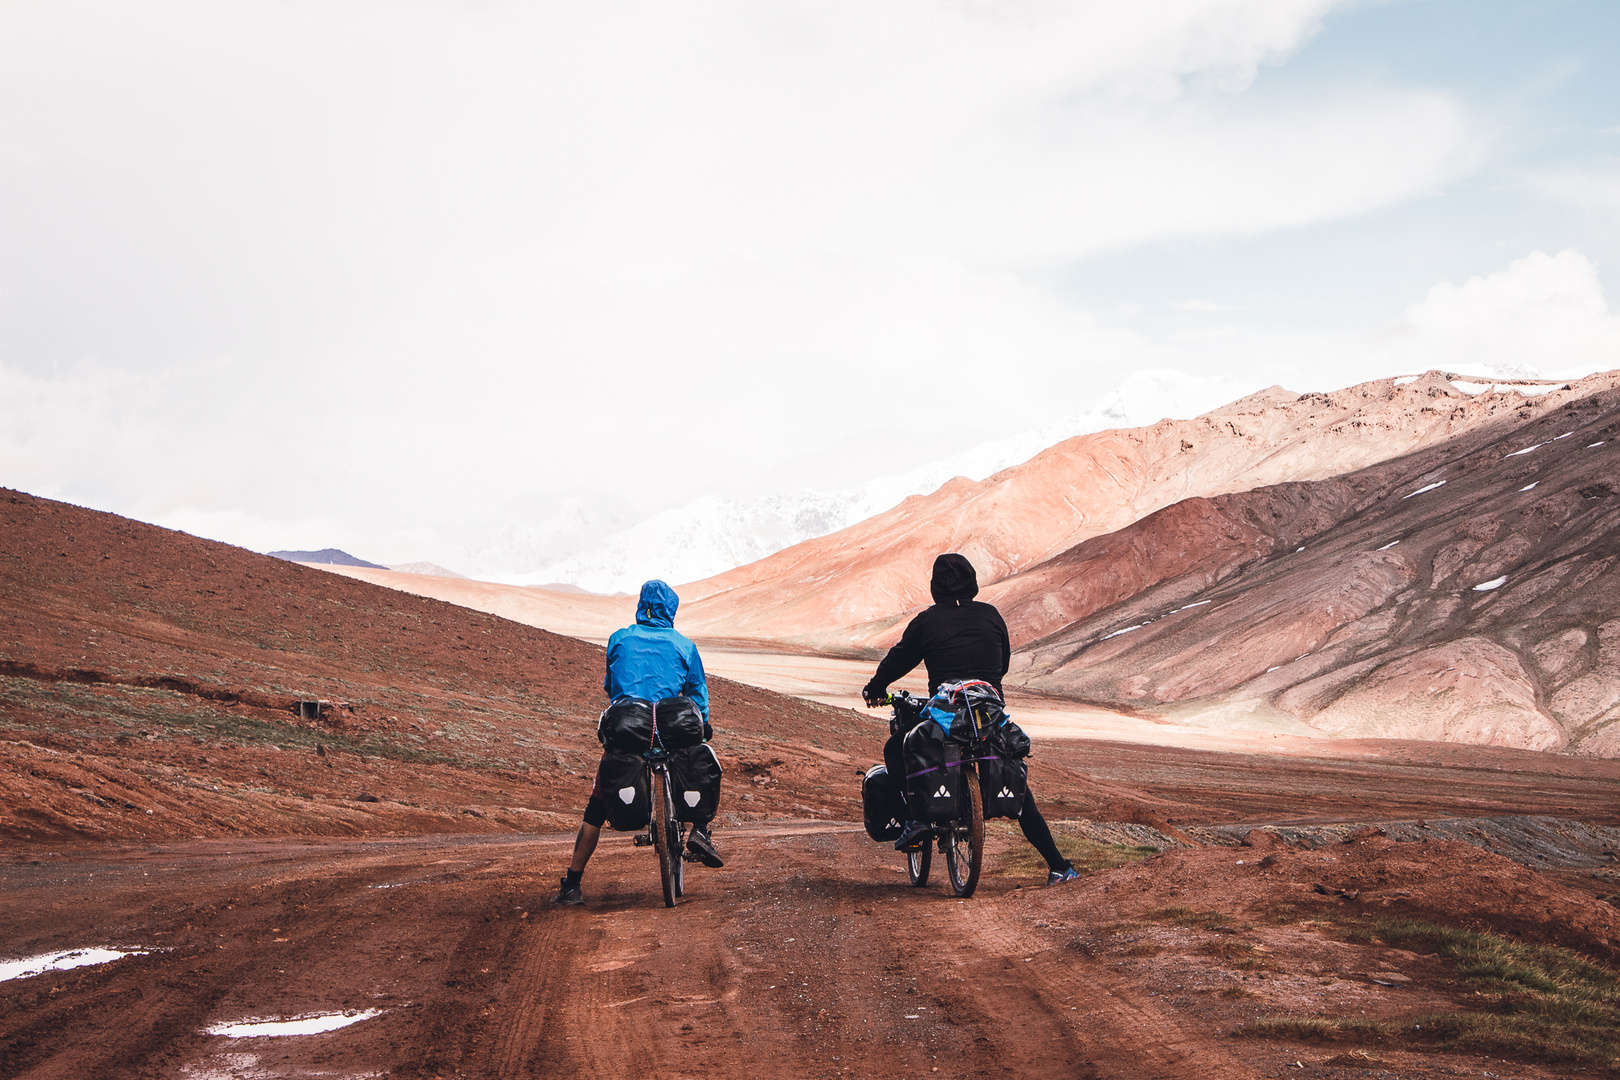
(384, 274)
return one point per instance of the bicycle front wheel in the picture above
(663, 832)
(919, 862)
(964, 844)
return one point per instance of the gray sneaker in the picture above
(568, 894)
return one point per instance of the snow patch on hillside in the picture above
(713, 535)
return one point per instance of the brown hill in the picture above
(1467, 592)
(150, 684)
(852, 588)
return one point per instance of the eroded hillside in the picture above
(853, 588)
(1467, 592)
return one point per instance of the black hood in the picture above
(954, 579)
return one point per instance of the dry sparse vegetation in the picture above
(1536, 1001)
(1088, 856)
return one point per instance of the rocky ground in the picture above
(387, 858)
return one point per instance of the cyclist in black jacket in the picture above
(958, 638)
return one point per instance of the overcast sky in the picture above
(384, 274)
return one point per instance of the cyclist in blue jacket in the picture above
(650, 660)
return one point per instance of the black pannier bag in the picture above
(680, 724)
(1012, 741)
(626, 725)
(1002, 784)
(625, 788)
(885, 804)
(933, 774)
(694, 783)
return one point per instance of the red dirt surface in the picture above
(152, 671)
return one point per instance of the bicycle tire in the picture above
(663, 813)
(919, 862)
(964, 845)
(678, 846)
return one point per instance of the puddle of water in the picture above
(62, 961)
(258, 1028)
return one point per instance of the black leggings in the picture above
(1034, 826)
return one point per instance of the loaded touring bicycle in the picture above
(659, 778)
(964, 762)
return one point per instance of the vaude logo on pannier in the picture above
(1005, 794)
(942, 793)
(627, 795)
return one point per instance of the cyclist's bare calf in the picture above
(584, 846)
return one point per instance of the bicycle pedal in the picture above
(642, 839)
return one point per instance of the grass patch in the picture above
(94, 712)
(1540, 1002)
(247, 729)
(1088, 856)
(1196, 920)
(1235, 954)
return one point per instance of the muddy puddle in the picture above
(63, 961)
(277, 1026)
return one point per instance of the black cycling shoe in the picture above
(568, 894)
(913, 836)
(701, 844)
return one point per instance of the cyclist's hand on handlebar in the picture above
(874, 698)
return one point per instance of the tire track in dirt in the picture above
(1123, 1035)
(622, 987)
(807, 958)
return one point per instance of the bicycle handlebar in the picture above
(902, 696)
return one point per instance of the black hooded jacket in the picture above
(958, 638)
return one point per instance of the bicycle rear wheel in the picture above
(919, 862)
(663, 817)
(964, 844)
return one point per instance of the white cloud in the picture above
(1544, 313)
(372, 263)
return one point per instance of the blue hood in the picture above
(658, 604)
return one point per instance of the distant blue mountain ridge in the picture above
(329, 556)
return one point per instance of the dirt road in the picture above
(808, 956)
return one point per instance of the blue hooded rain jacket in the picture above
(651, 660)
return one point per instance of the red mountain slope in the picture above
(852, 588)
(149, 682)
(1468, 592)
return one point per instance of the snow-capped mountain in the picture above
(712, 535)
